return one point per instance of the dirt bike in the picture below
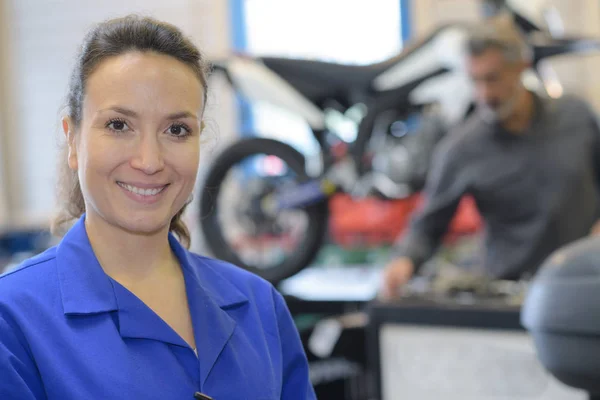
(400, 108)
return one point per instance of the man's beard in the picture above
(498, 113)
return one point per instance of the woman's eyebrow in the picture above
(121, 110)
(133, 114)
(182, 114)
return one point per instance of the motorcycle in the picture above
(400, 108)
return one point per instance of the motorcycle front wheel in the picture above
(278, 165)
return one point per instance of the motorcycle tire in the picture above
(317, 213)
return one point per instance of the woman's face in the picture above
(137, 148)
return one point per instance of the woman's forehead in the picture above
(138, 78)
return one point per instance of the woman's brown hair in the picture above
(109, 39)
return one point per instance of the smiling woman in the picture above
(114, 79)
(120, 309)
(140, 124)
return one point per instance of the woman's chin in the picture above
(133, 221)
(146, 225)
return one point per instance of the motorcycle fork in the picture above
(342, 166)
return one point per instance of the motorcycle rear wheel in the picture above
(317, 214)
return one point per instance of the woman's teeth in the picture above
(141, 192)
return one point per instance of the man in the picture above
(530, 162)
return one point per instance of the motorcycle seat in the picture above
(319, 80)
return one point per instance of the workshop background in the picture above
(38, 41)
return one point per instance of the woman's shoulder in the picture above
(33, 281)
(29, 271)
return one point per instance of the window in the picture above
(341, 31)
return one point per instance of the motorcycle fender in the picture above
(445, 51)
(258, 83)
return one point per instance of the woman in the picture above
(120, 309)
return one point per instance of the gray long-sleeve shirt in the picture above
(535, 191)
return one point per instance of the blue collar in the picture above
(86, 289)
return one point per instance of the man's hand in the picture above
(396, 274)
(595, 231)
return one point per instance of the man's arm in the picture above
(443, 191)
(595, 124)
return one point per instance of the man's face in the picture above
(497, 83)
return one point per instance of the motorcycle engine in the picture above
(402, 151)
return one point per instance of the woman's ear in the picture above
(69, 130)
(202, 126)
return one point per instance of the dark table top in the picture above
(478, 313)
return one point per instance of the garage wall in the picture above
(579, 75)
(42, 38)
(428, 14)
(4, 42)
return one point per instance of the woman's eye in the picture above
(117, 125)
(179, 130)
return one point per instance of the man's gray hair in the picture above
(499, 34)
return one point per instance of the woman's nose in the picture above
(148, 158)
